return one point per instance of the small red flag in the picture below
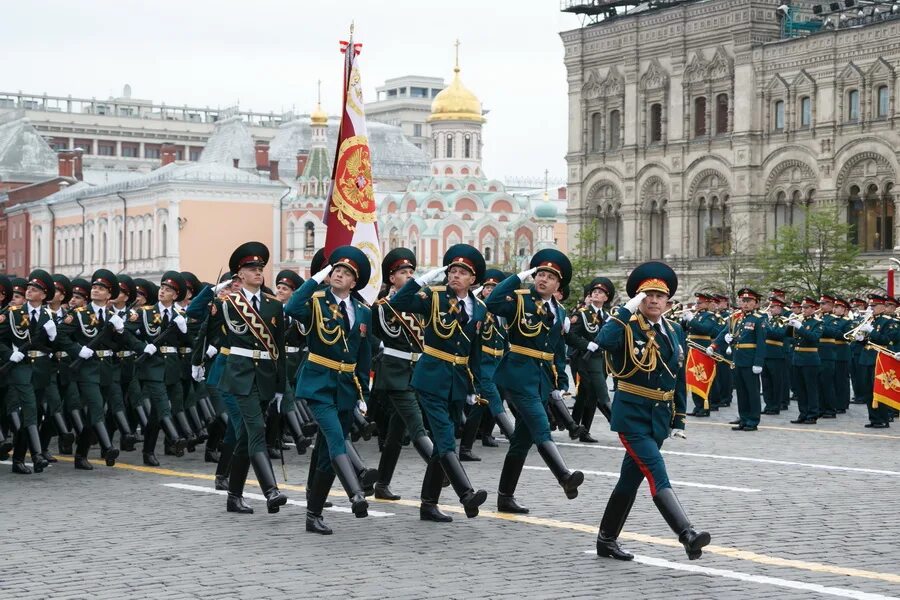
(700, 371)
(887, 384)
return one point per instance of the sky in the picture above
(267, 56)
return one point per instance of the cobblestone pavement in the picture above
(793, 512)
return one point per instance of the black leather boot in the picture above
(171, 433)
(431, 493)
(197, 424)
(505, 423)
(206, 411)
(216, 432)
(142, 417)
(364, 427)
(107, 450)
(617, 509)
(151, 433)
(317, 491)
(224, 466)
(390, 454)
(265, 475)
(292, 423)
(66, 437)
(670, 508)
(506, 490)
(39, 463)
(240, 466)
(564, 418)
(127, 440)
(77, 421)
(82, 463)
(470, 498)
(569, 480)
(190, 439)
(307, 421)
(367, 477)
(347, 475)
(467, 439)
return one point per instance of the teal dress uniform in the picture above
(775, 376)
(805, 366)
(885, 332)
(842, 364)
(748, 350)
(649, 403)
(702, 329)
(827, 357)
(592, 390)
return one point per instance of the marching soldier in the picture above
(122, 367)
(861, 311)
(774, 375)
(649, 406)
(449, 372)
(703, 325)
(592, 391)
(725, 377)
(745, 335)
(827, 354)
(70, 402)
(534, 369)
(807, 331)
(6, 444)
(881, 331)
(841, 356)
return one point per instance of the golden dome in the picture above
(318, 116)
(456, 103)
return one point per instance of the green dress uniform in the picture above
(842, 361)
(724, 377)
(774, 379)
(649, 404)
(806, 367)
(884, 332)
(827, 356)
(856, 348)
(532, 371)
(702, 329)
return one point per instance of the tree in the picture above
(815, 256)
(736, 270)
(587, 262)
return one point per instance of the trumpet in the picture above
(851, 334)
(675, 312)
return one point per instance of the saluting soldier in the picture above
(449, 372)
(842, 356)
(807, 332)
(703, 325)
(592, 391)
(881, 331)
(334, 379)
(745, 336)
(774, 375)
(534, 368)
(649, 406)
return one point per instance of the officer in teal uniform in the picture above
(254, 372)
(807, 331)
(334, 378)
(882, 331)
(745, 336)
(827, 355)
(774, 374)
(703, 325)
(449, 372)
(648, 407)
(860, 312)
(534, 368)
(842, 356)
(494, 346)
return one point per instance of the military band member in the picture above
(534, 368)
(807, 331)
(745, 336)
(775, 375)
(648, 407)
(842, 356)
(703, 325)
(827, 354)
(449, 372)
(592, 391)
(882, 331)
(861, 312)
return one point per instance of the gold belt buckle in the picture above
(256, 355)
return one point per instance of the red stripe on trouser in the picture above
(644, 469)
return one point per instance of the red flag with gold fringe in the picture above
(699, 372)
(887, 384)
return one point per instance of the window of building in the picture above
(487, 254)
(418, 92)
(596, 132)
(884, 100)
(779, 115)
(853, 105)
(140, 252)
(392, 93)
(467, 147)
(721, 114)
(106, 148)
(195, 154)
(700, 116)
(164, 240)
(805, 111)
(449, 148)
(656, 123)
(871, 215)
(613, 134)
(86, 145)
(309, 236)
(131, 150)
(152, 151)
(417, 130)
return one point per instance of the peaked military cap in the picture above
(467, 257)
(174, 280)
(6, 287)
(148, 289)
(748, 293)
(193, 282)
(107, 279)
(809, 301)
(553, 261)
(602, 283)
(64, 285)
(826, 298)
(249, 254)
(42, 280)
(81, 287)
(653, 276)
(227, 276)
(318, 261)
(289, 278)
(841, 302)
(126, 286)
(565, 291)
(396, 259)
(776, 300)
(493, 277)
(18, 285)
(354, 259)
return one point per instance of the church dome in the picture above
(545, 210)
(456, 103)
(318, 116)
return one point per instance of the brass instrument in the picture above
(851, 334)
(715, 356)
(674, 313)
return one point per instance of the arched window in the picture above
(434, 151)
(700, 116)
(103, 248)
(805, 111)
(309, 236)
(656, 123)
(658, 231)
(140, 253)
(779, 115)
(596, 132)
(487, 254)
(467, 147)
(721, 113)
(612, 135)
(782, 214)
(871, 213)
(713, 226)
(883, 101)
(449, 147)
(853, 105)
(91, 249)
(163, 241)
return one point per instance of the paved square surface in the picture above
(793, 512)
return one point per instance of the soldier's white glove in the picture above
(277, 399)
(728, 338)
(526, 274)
(362, 407)
(687, 316)
(757, 370)
(149, 349)
(197, 372)
(678, 433)
(85, 353)
(16, 357)
(222, 286)
(211, 351)
(710, 351)
(117, 322)
(632, 305)
(321, 275)
(556, 395)
(181, 323)
(859, 337)
(431, 276)
(592, 346)
(477, 291)
(866, 328)
(50, 328)
(470, 399)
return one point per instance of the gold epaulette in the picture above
(81, 309)
(147, 307)
(11, 307)
(633, 318)
(523, 291)
(319, 294)
(437, 288)
(270, 296)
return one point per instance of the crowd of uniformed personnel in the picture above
(449, 354)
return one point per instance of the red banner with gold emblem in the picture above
(699, 372)
(887, 383)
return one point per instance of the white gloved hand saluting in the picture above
(592, 347)
(431, 276)
(50, 328)
(633, 304)
(728, 338)
(85, 353)
(222, 286)
(181, 323)
(757, 370)
(526, 274)
(117, 322)
(321, 275)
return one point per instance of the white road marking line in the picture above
(707, 486)
(200, 488)
(764, 579)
